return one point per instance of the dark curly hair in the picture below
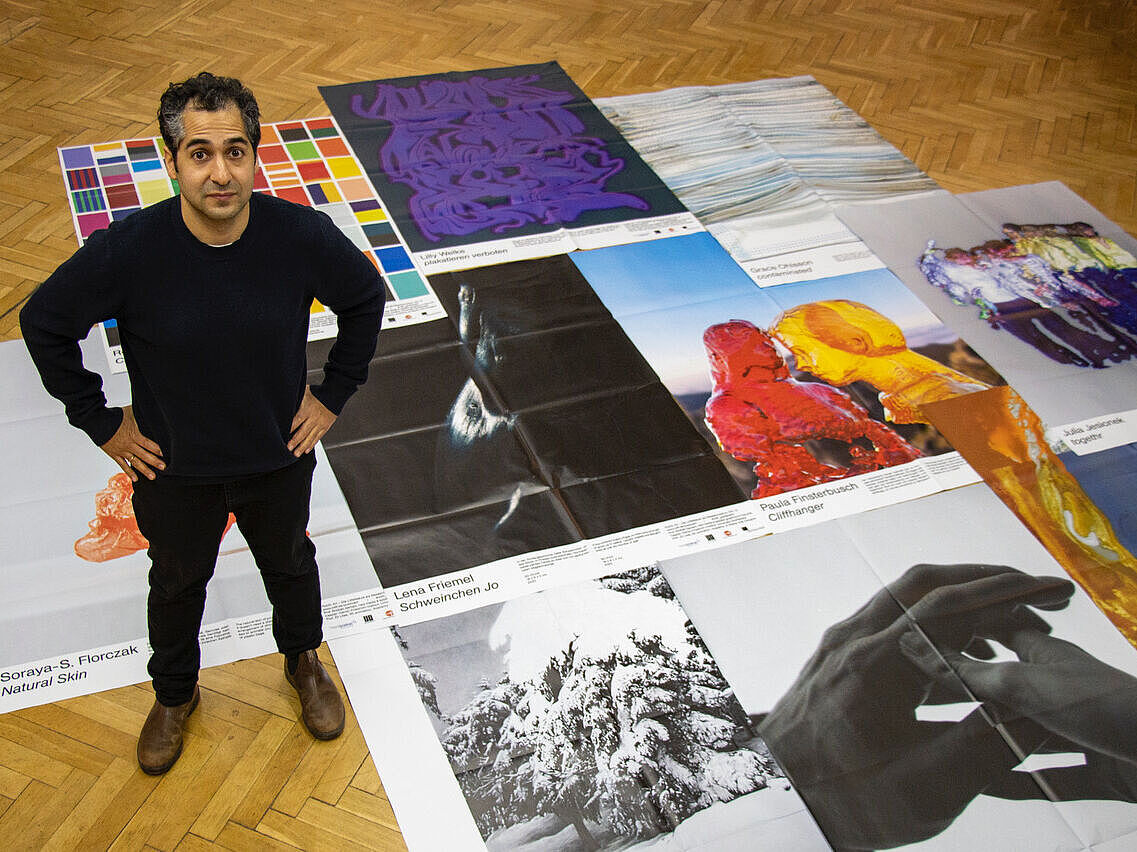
(208, 92)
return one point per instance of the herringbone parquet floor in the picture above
(979, 94)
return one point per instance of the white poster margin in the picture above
(429, 806)
(1095, 434)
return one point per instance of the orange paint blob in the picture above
(1004, 440)
(841, 342)
(759, 413)
(114, 532)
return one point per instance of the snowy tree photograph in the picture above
(592, 716)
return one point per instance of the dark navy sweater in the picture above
(213, 337)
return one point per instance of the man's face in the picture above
(214, 165)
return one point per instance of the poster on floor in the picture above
(648, 391)
(500, 164)
(761, 164)
(528, 435)
(1005, 442)
(305, 161)
(928, 677)
(585, 717)
(520, 426)
(1036, 280)
(73, 612)
(793, 385)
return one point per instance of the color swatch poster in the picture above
(306, 162)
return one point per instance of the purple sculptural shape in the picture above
(491, 155)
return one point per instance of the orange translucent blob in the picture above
(1003, 439)
(842, 341)
(114, 531)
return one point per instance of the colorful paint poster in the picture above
(500, 164)
(761, 164)
(1060, 331)
(927, 677)
(769, 377)
(589, 716)
(306, 162)
(1004, 440)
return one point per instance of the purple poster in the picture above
(467, 157)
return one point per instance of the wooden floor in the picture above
(979, 94)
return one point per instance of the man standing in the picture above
(212, 290)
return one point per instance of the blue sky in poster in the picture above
(665, 293)
(665, 273)
(880, 290)
(672, 339)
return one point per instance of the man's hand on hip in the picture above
(133, 451)
(310, 424)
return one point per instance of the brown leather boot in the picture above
(320, 703)
(160, 742)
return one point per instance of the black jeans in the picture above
(184, 522)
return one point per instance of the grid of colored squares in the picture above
(109, 181)
(307, 162)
